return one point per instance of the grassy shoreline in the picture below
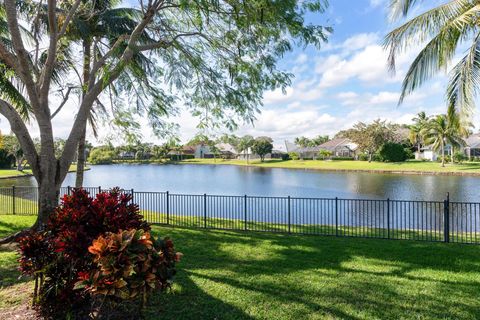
(409, 167)
(12, 173)
(235, 275)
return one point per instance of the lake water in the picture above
(236, 180)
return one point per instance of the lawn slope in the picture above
(235, 275)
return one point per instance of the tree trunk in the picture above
(370, 157)
(81, 143)
(81, 160)
(443, 156)
(451, 154)
(48, 190)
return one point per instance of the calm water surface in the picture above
(236, 180)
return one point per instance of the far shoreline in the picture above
(278, 165)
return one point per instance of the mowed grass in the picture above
(400, 167)
(237, 275)
(13, 173)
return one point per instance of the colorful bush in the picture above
(58, 256)
(129, 264)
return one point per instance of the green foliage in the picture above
(441, 31)
(262, 146)
(293, 155)
(338, 158)
(305, 142)
(324, 153)
(101, 156)
(392, 152)
(58, 257)
(459, 156)
(409, 153)
(6, 160)
(370, 137)
(363, 157)
(129, 264)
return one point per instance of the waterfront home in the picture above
(340, 147)
(126, 155)
(472, 149)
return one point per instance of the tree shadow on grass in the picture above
(188, 301)
(350, 277)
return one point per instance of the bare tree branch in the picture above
(64, 101)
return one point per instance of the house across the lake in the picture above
(472, 149)
(340, 147)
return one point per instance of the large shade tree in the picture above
(440, 30)
(371, 136)
(217, 57)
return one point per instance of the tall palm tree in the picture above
(444, 29)
(457, 128)
(100, 22)
(415, 134)
(439, 133)
(103, 21)
(245, 144)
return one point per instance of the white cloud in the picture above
(384, 97)
(301, 58)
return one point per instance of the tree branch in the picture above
(21, 131)
(23, 66)
(64, 101)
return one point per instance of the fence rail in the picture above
(442, 221)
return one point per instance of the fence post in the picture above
(205, 210)
(446, 218)
(168, 208)
(69, 190)
(388, 218)
(336, 216)
(133, 195)
(245, 211)
(289, 216)
(13, 199)
(99, 189)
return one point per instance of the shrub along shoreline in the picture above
(408, 167)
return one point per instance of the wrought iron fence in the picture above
(442, 221)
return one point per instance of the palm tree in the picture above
(245, 144)
(415, 135)
(444, 29)
(438, 132)
(458, 129)
(102, 21)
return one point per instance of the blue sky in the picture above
(344, 82)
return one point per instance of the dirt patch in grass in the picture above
(15, 302)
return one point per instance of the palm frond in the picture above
(464, 82)
(426, 26)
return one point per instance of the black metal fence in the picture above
(443, 221)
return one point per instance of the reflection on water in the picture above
(235, 180)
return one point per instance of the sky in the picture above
(344, 82)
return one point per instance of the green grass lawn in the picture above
(13, 173)
(235, 275)
(400, 167)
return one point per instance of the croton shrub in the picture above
(95, 249)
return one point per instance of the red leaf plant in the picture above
(60, 256)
